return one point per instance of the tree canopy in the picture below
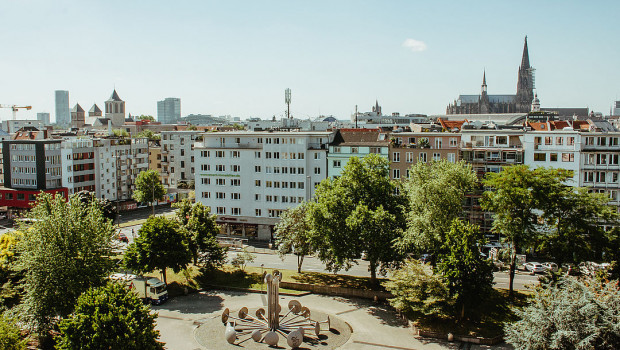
(109, 317)
(200, 231)
(64, 250)
(571, 314)
(357, 212)
(149, 188)
(468, 275)
(293, 233)
(146, 117)
(160, 245)
(436, 192)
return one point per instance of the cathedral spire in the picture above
(484, 81)
(525, 60)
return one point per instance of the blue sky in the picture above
(238, 57)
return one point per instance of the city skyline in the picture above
(237, 58)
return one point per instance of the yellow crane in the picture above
(15, 108)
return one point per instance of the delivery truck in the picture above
(149, 289)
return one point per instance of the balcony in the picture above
(235, 146)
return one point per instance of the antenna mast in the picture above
(287, 100)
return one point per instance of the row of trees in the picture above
(363, 213)
(54, 270)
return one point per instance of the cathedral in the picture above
(486, 104)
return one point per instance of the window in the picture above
(256, 154)
(553, 157)
(336, 149)
(268, 198)
(570, 141)
(501, 140)
(206, 195)
(236, 168)
(355, 150)
(257, 183)
(336, 163)
(540, 157)
(221, 210)
(422, 157)
(235, 154)
(438, 142)
(548, 140)
(451, 158)
(300, 185)
(396, 157)
(257, 212)
(409, 157)
(317, 171)
(396, 173)
(235, 196)
(602, 141)
(600, 176)
(568, 157)
(274, 213)
(268, 155)
(235, 182)
(588, 176)
(219, 154)
(317, 156)
(601, 159)
(559, 141)
(453, 142)
(408, 174)
(257, 168)
(436, 157)
(589, 141)
(220, 195)
(206, 181)
(257, 197)
(268, 184)
(220, 167)
(220, 182)
(412, 140)
(376, 150)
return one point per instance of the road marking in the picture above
(382, 345)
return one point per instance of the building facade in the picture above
(408, 148)
(169, 110)
(43, 118)
(355, 143)
(177, 157)
(63, 114)
(249, 178)
(78, 165)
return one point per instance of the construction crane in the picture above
(15, 108)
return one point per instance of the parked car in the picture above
(550, 266)
(534, 267)
(122, 237)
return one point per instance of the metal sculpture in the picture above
(267, 326)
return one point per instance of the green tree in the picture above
(149, 134)
(364, 188)
(417, 289)
(109, 317)
(10, 276)
(149, 188)
(191, 127)
(107, 208)
(120, 133)
(513, 201)
(242, 259)
(435, 192)
(146, 117)
(200, 230)
(469, 277)
(571, 314)
(10, 335)
(64, 251)
(574, 217)
(293, 234)
(160, 245)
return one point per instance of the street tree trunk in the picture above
(153, 207)
(300, 261)
(373, 272)
(163, 273)
(513, 266)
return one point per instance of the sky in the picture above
(237, 57)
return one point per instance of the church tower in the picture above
(115, 110)
(484, 97)
(525, 83)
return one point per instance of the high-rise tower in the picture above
(63, 114)
(525, 83)
(169, 110)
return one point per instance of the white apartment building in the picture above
(558, 149)
(249, 178)
(78, 165)
(118, 161)
(600, 166)
(177, 157)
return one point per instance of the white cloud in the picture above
(415, 45)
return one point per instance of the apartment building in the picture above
(118, 161)
(355, 143)
(249, 178)
(177, 157)
(30, 166)
(553, 145)
(78, 165)
(599, 163)
(155, 156)
(488, 148)
(408, 148)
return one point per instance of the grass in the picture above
(486, 320)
